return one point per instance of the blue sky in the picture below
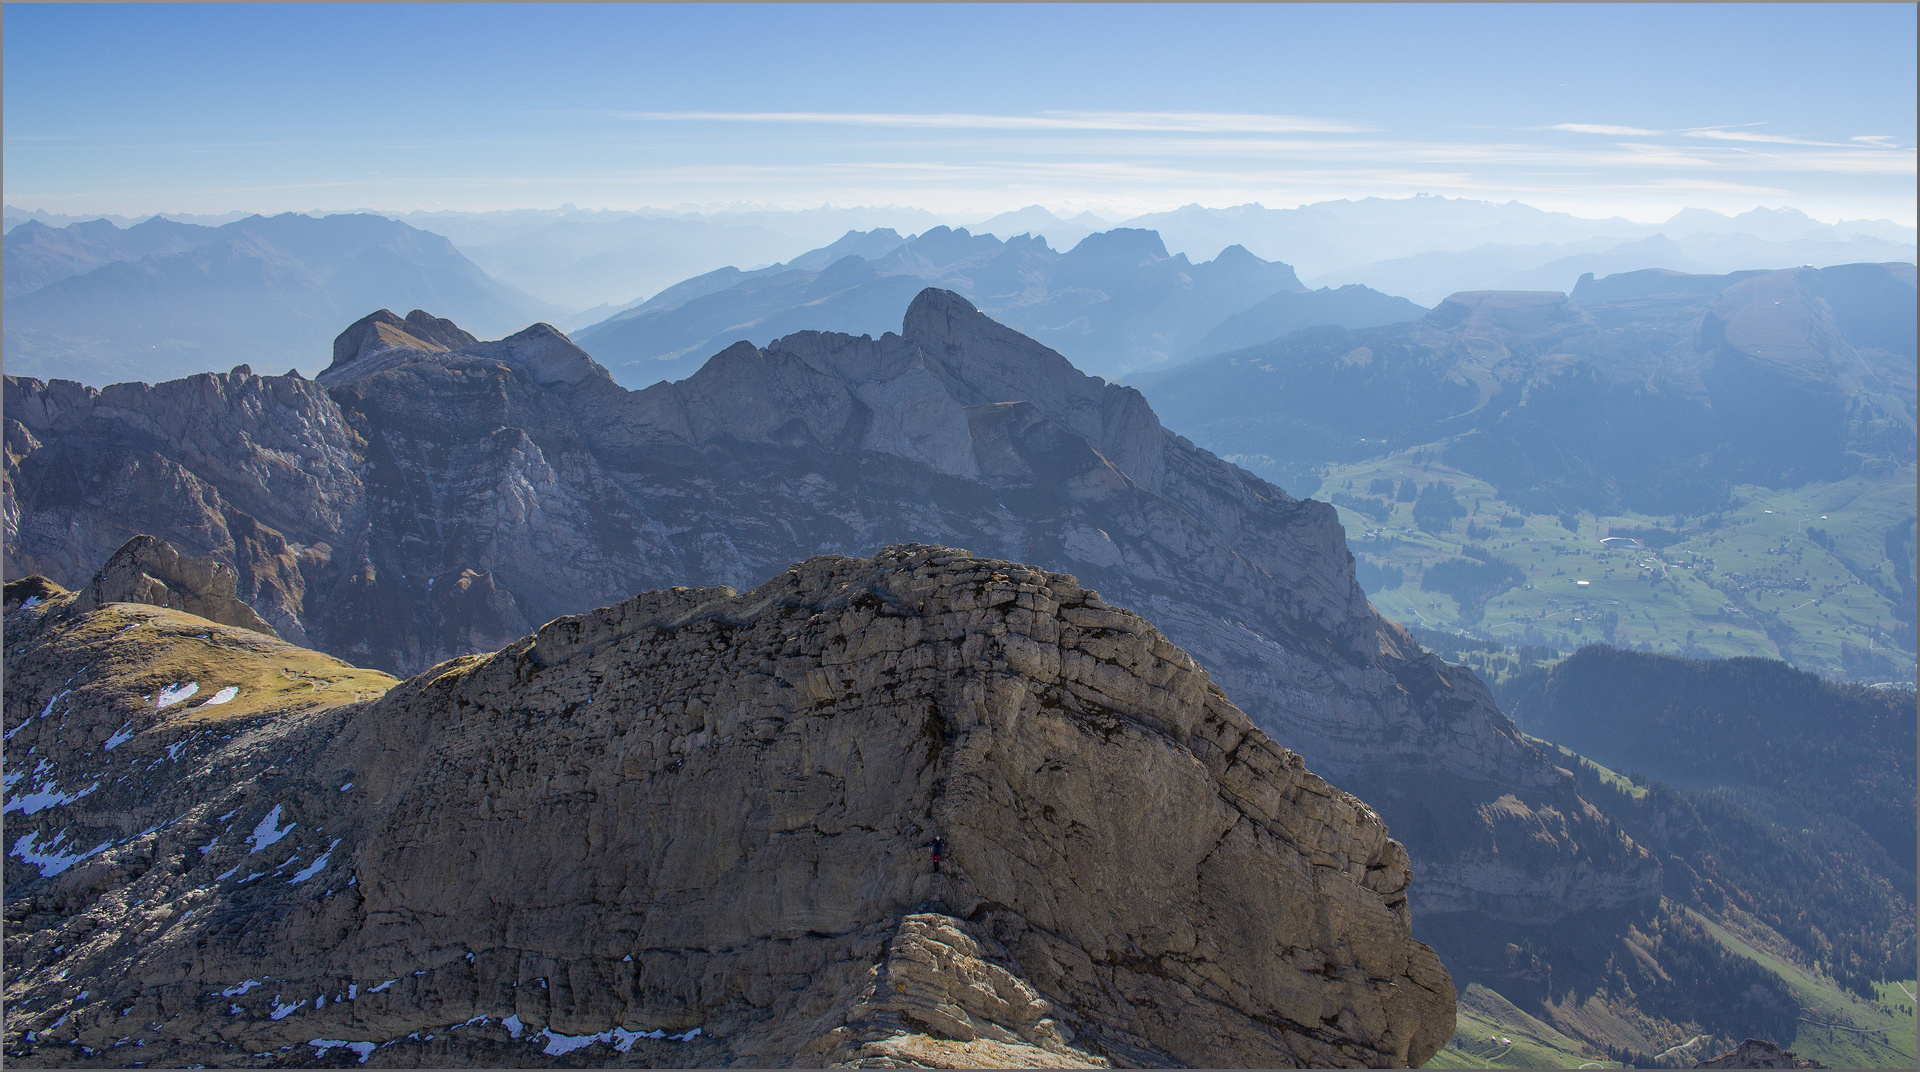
(1605, 109)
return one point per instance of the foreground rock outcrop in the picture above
(916, 809)
(148, 569)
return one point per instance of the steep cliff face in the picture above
(491, 487)
(919, 808)
(259, 472)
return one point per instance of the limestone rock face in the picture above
(419, 504)
(147, 569)
(259, 472)
(700, 827)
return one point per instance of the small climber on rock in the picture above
(939, 852)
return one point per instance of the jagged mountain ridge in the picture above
(417, 504)
(534, 844)
(1428, 247)
(1113, 303)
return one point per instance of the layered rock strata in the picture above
(700, 827)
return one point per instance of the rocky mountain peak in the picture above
(1121, 245)
(380, 341)
(550, 496)
(149, 570)
(546, 353)
(438, 329)
(986, 362)
(381, 330)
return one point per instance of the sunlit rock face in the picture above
(916, 808)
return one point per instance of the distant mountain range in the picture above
(1424, 248)
(160, 299)
(1114, 304)
(582, 267)
(1651, 391)
(1343, 236)
(592, 263)
(1431, 276)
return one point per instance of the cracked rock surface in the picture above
(698, 827)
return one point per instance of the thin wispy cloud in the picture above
(1202, 122)
(1724, 133)
(1714, 134)
(1606, 128)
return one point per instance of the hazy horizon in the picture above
(965, 112)
(1111, 215)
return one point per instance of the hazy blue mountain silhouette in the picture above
(94, 303)
(1351, 306)
(1650, 391)
(1116, 302)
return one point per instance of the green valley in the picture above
(1801, 574)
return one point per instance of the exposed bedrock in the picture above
(702, 809)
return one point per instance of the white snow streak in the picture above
(621, 1038)
(362, 1048)
(266, 833)
(43, 796)
(313, 868)
(51, 862)
(173, 694)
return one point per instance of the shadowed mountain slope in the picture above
(1653, 392)
(1352, 306)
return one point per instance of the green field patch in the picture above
(1837, 1028)
(1813, 575)
(1490, 1032)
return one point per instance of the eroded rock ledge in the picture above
(706, 810)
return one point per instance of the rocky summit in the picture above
(919, 809)
(147, 569)
(425, 500)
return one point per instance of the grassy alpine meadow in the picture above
(1491, 1032)
(1838, 1029)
